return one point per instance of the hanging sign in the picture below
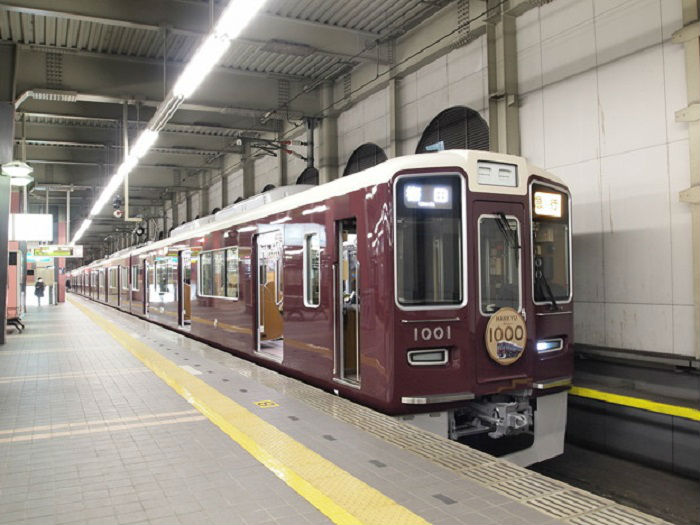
(57, 250)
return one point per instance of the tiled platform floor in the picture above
(90, 435)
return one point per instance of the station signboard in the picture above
(57, 250)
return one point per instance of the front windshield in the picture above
(429, 262)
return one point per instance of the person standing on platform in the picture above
(39, 290)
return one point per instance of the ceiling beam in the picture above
(87, 12)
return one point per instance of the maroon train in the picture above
(434, 287)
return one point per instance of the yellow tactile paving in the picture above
(343, 498)
(636, 402)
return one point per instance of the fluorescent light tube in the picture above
(236, 16)
(199, 66)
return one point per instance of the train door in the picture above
(146, 285)
(269, 294)
(184, 297)
(499, 289)
(347, 308)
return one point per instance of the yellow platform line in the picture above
(343, 498)
(636, 402)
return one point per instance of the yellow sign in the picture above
(505, 337)
(60, 250)
(267, 403)
(548, 204)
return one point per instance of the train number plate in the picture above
(435, 333)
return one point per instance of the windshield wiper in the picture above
(544, 283)
(509, 233)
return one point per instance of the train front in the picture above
(483, 302)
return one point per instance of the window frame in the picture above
(225, 274)
(537, 182)
(305, 265)
(464, 252)
(135, 282)
(109, 279)
(520, 260)
(125, 282)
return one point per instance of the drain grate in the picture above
(568, 503)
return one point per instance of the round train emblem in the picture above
(505, 336)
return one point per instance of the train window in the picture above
(112, 279)
(232, 273)
(219, 288)
(312, 270)
(499, 262)
(429, 245)
(135, 278)
(205, 274)
(550, 246)
(124, 271)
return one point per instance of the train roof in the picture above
(312, 195)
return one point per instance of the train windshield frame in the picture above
(429, 241)
(550, 212)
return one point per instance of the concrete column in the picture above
(504, 114)
(248, 172)
(394, 115)
(328, 154)
(224, 183)
(282, 166)
(205, 179)
(7, 136)
(173, 203)
(689, 38)
(188, 207)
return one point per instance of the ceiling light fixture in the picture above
(233, 19)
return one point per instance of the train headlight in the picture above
(549, 345)
(431, 356)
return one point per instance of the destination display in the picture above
(432, 196)
(548, 204)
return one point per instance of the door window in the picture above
(499, 263)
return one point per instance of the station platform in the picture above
(106, 418)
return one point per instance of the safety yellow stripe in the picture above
(635, 402)
(343, 498)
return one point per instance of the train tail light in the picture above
(431, 356)
(549, 345)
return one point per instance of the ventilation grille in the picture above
(366, 156)
(458, 127)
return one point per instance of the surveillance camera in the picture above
(239, 142)
(118, 214)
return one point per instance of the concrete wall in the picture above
(600, 82)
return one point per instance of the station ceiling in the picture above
(77, 62)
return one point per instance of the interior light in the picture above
(413, 193)
(548, 204)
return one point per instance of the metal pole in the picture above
(24, 199)
(47, 201)
(67, 215)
